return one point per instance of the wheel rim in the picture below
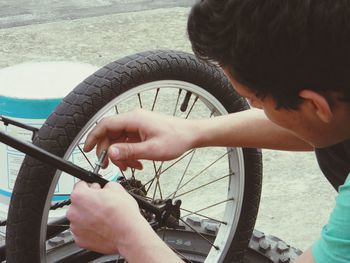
(229, 176)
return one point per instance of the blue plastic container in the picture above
(29, 93)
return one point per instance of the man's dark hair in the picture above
(277, 47)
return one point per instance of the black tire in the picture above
(270, 249)
(31, 194)
(262, 248)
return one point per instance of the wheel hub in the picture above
(170, 212)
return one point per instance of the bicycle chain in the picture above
(53, 207)
(68, 202)
(60, 204)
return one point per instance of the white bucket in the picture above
(29, 93)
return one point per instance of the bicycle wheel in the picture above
(220, 185)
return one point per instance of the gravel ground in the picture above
(296, 198)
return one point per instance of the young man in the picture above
(291, 60)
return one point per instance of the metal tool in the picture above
(99, 162)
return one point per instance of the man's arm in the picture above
(141, 134)
(148, 248)
(249, 128)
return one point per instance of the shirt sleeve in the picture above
(334, 244)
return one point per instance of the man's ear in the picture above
(320, 103)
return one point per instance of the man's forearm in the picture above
(147, 247)
(249, 128)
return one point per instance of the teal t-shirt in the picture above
(334, 245)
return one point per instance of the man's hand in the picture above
(103, 220)
(108, 221)
(140, 134)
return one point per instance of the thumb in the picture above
(129, 151)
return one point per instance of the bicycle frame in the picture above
(162, 212)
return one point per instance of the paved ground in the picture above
(24, 12)
(296, 198)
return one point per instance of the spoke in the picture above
(198, 214)
(155, 99)
(177, 102)
(140, 102)
(152, 180)
(201, 172)
(160, 167)
(163, 236)
(87, 159)
(205, 208)
(132, 173)
(116, 109)
(194, 102)
(156, 176)
(123, 175)
(149, 182)
(59, 225)
(178, 160)
(211, 243)
(155, 172)
(183, 175)
(203, 185)
(212, 113)
(160, 190)
(154, 192)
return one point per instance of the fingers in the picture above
(123, 165)
(114, 186)
(129, 151)
(122, 136)
(95, 186)
(80, 190)
(110, 127)
(127, 154)
(81, 186)
(96, 134)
